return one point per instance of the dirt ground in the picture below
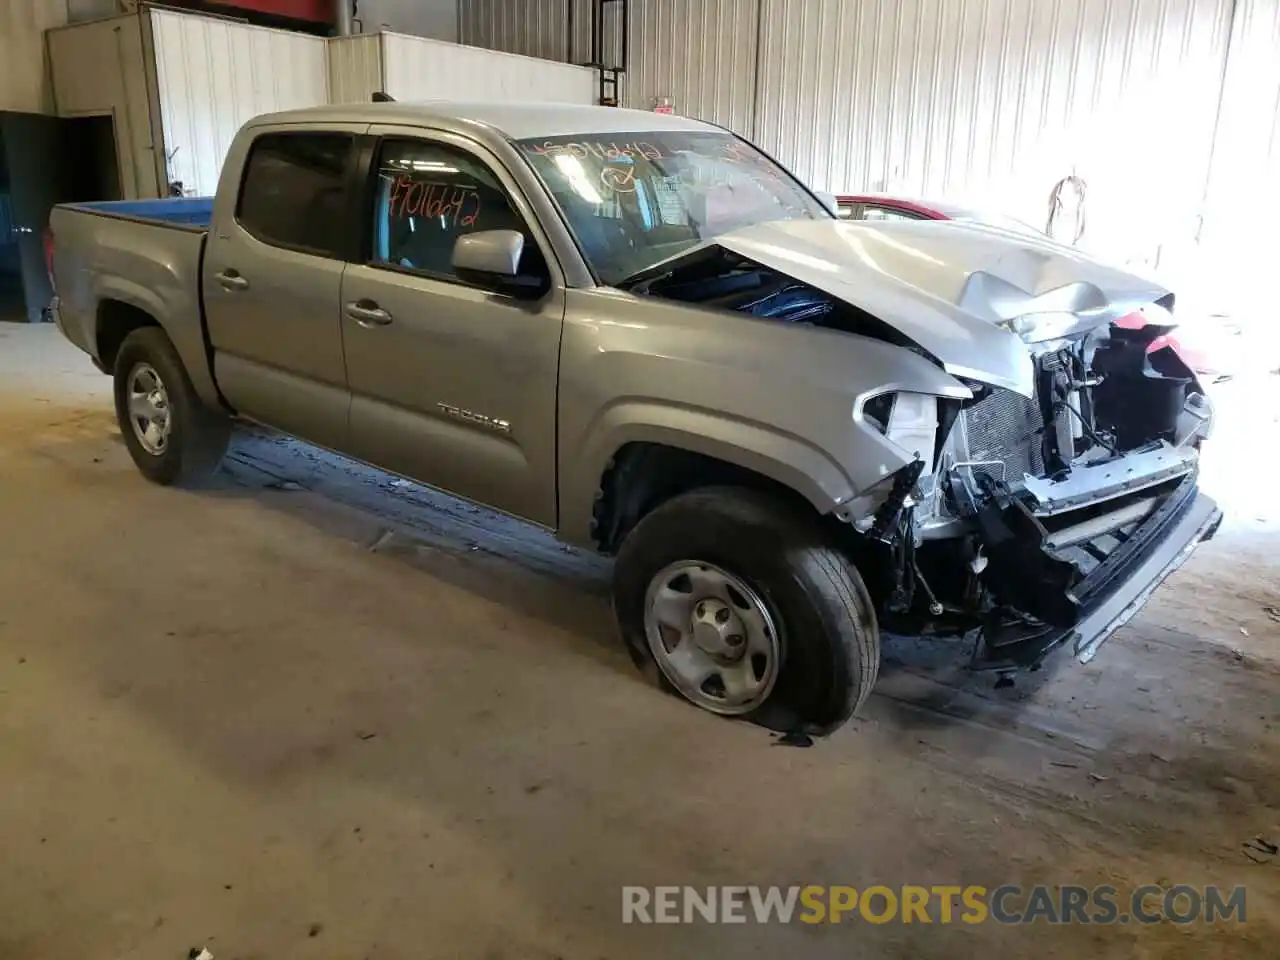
(319, 712)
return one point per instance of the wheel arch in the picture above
(670, 450)
(115, 320)
(124, 306)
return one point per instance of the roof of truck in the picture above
(518, 121)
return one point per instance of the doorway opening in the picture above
(45, 161)
(12, 304)
(89, 169)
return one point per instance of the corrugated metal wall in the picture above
(24, 82)
(1243, 196)
(986, 101)
(355, 68)
(420, 69)
(993, 101)
(437, 19)
(535, 28)
(700, 53)
(99, 69)
(213, 75)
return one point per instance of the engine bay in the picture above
(717, 278)
(1110, 394)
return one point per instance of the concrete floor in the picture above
(317, 712)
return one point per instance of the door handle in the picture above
(368, 314)
(231, 280)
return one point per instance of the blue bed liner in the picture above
(188, 211)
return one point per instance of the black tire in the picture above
(830, 642)
(198, 436)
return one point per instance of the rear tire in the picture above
(173, 437)
(736, 547)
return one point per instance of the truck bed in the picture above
(140, 255)
(191, 213)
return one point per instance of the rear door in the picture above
(451, 384)
(273, 276)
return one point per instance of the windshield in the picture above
(633, 200)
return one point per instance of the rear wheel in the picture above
(171, 435)
(738, 603)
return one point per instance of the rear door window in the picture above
(294, 193)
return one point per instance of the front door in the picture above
(273, 275)
(451, 384)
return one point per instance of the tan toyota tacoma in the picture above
(643, 333)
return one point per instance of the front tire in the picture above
(173, 437)
(740, 604)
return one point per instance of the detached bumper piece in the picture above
(1056, 588)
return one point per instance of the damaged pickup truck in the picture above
(643, 333)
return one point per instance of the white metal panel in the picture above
(214, 74)
(421, 69)
(85, 66)
(1243, 199)
(24, 83)
(700, 53)
(99, 69)
(355, 68)
(993, 101)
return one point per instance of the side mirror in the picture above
(488, 255)
(491, 259)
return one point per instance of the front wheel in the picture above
(171, 435)
(738, 603)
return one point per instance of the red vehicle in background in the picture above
(880, 207)
(873, 206)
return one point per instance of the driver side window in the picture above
(427, 196)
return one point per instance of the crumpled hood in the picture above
(957, 289)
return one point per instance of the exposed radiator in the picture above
(1008, 428)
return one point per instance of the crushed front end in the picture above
(1040, 498)
(1045, 520)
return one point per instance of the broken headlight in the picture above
(908, 420)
